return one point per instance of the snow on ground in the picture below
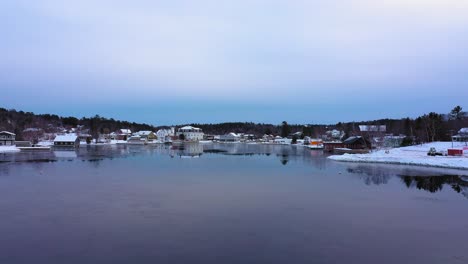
(45, 143)
(413, 155)
(9, 149)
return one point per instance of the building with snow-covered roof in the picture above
(231, 137)
(7, 138)
(372, 128)
(462, 135)
(123, 134)
(357, 142)
(125, 131)
(190, 133)
(165, 135)
(146, 134)
(67, 140)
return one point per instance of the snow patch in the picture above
(413, 155)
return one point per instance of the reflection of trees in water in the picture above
(376, 175)
(372, 175)
(435, 184)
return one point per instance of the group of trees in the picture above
(18, 121)
(429, 127)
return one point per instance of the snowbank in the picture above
(413, 155)
(45, 143)
(8, 149)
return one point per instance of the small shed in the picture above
(7, 138)
(68, 140)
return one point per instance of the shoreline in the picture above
(412, 155)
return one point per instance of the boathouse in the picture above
(67, 140)
(357, 142)
(7, 138)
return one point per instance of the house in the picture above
(123, 134)
(462, 135)
(393, 141)
(7, 138)
(357, 142)
(137, 140)
(85, 138)
(190, 133)
(147, 135)
(330, 146)
(67, 140)
(334, 135)
(296, 135)
(231, 137)
(209, 137)
(372, 128)
(165, 134)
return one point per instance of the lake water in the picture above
(226, 203)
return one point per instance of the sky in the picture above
(210, 61)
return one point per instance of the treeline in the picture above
(426, 128)
(18, 121)
(429, 127)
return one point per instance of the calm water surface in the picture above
(229, 203)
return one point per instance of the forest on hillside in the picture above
(426, 128)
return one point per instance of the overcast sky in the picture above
(171, 62)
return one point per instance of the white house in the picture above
(164, 135)
(462, 135)
(7, 138)
(190, 133)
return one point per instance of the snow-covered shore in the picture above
(9, 149)
(413, 155)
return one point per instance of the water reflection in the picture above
(432, 181)
(435, 184)
(187, 150)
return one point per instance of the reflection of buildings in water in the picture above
(187, 150)
(66, 154)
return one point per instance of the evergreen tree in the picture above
(285, 130)
(456, 113)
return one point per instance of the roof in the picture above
(189, 128)
(352, 140)
(144, 133)
(66, 138)
(9, 133)
(372, 128)
(463, 130)
(32, 129)
(125, 131)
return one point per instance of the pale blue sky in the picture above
(169, 62)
